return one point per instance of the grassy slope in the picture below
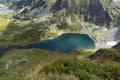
(107, 68)
(4, 21)
(24, 32)
(35, 64)
(15, 64)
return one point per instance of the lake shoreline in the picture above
(64, 43)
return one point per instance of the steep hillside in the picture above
(9, 2)
(107, 54)
(46, 65)
(16, 64)
(117, 46)
(97, 18)
(99, 12)
(38, 20)
(43, 20)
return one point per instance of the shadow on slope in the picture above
(112, 54)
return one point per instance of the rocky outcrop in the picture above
(92, 10)
(97, 11)
(30, 9)
(112, 54)
(117, 46)
(97, 18)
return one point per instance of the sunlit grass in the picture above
(35, 64)
(4, 20)
(23, 62)
(87, 52)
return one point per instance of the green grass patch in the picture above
(16, 63)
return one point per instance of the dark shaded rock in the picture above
(95, 13)
(63, 4)
(92, 10)
(106, 54)
(31, 9)
(117, 46)
(98, 54)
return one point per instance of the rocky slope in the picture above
(37, 20)
(100, 12)
(109, 54)
(93, 11)
(9, 2)
(98, 18)
(117, 46)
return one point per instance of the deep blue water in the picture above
(64, 43)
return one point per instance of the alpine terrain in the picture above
(59, 39)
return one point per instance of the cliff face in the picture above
(100, 19)
(99, 12)
(92, 10)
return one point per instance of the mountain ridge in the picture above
(100, 15)
(97, 18)
(35, 21)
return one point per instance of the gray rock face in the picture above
(60, 4)
(96, 14)
(102, 13)
(92, 10)
(117, 36)
(115, 15)
(28, 9)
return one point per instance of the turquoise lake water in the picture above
(64, 43)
